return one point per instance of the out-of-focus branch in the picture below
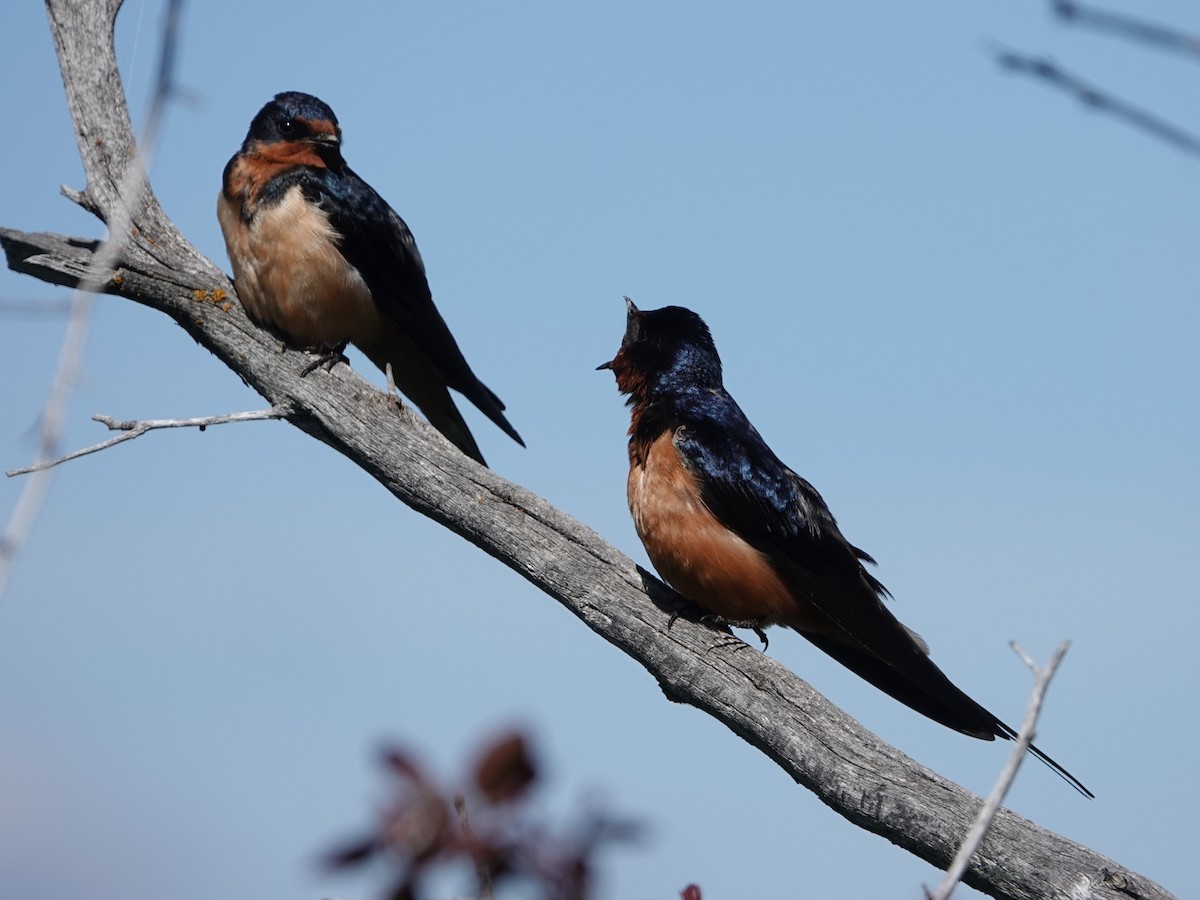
(1127, 27)
(862, 778)
(131, 188)
(1008, 774)
(54, 412)
(1047, 71)
(35, 309)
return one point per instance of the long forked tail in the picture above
(424, 384)
(417, 378)
(445, 417)
(489, 404)
(923, 687)
(1049, 761)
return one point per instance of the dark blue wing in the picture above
(780, 514)
(751, 491)
(377, 242)
(747, 487)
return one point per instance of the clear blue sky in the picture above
(959, 303)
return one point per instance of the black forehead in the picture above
(298, 105)
(668, 323)
(673, 318)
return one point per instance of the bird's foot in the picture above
(755, 625)
(687, 610)
(327, 360)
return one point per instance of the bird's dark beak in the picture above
(631, 314)
(325, 140)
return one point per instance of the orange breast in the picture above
(291, 276)
(692, 550)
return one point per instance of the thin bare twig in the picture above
(132, 191)
(29, 504)
(134, 428)
(1097, 99)
(1128, 27)
(35, 309)
(1009, 773)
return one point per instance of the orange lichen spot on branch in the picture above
(117, 280)
(217, 298)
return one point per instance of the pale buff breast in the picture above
(290, 275)
(693, 551)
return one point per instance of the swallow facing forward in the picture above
(322, 259)
(733, 529)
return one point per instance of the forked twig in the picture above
(132, 191)
(133, 428)
(1007, 775)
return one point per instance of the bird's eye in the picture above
(287, 127)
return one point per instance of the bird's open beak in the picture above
(631, 313)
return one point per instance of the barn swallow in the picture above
(733, 529)
(319, 257)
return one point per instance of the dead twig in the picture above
(134, 428)
(1128, 27)
(1007, 775)
(35, 309)
(1094, 97)
(132, 192)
